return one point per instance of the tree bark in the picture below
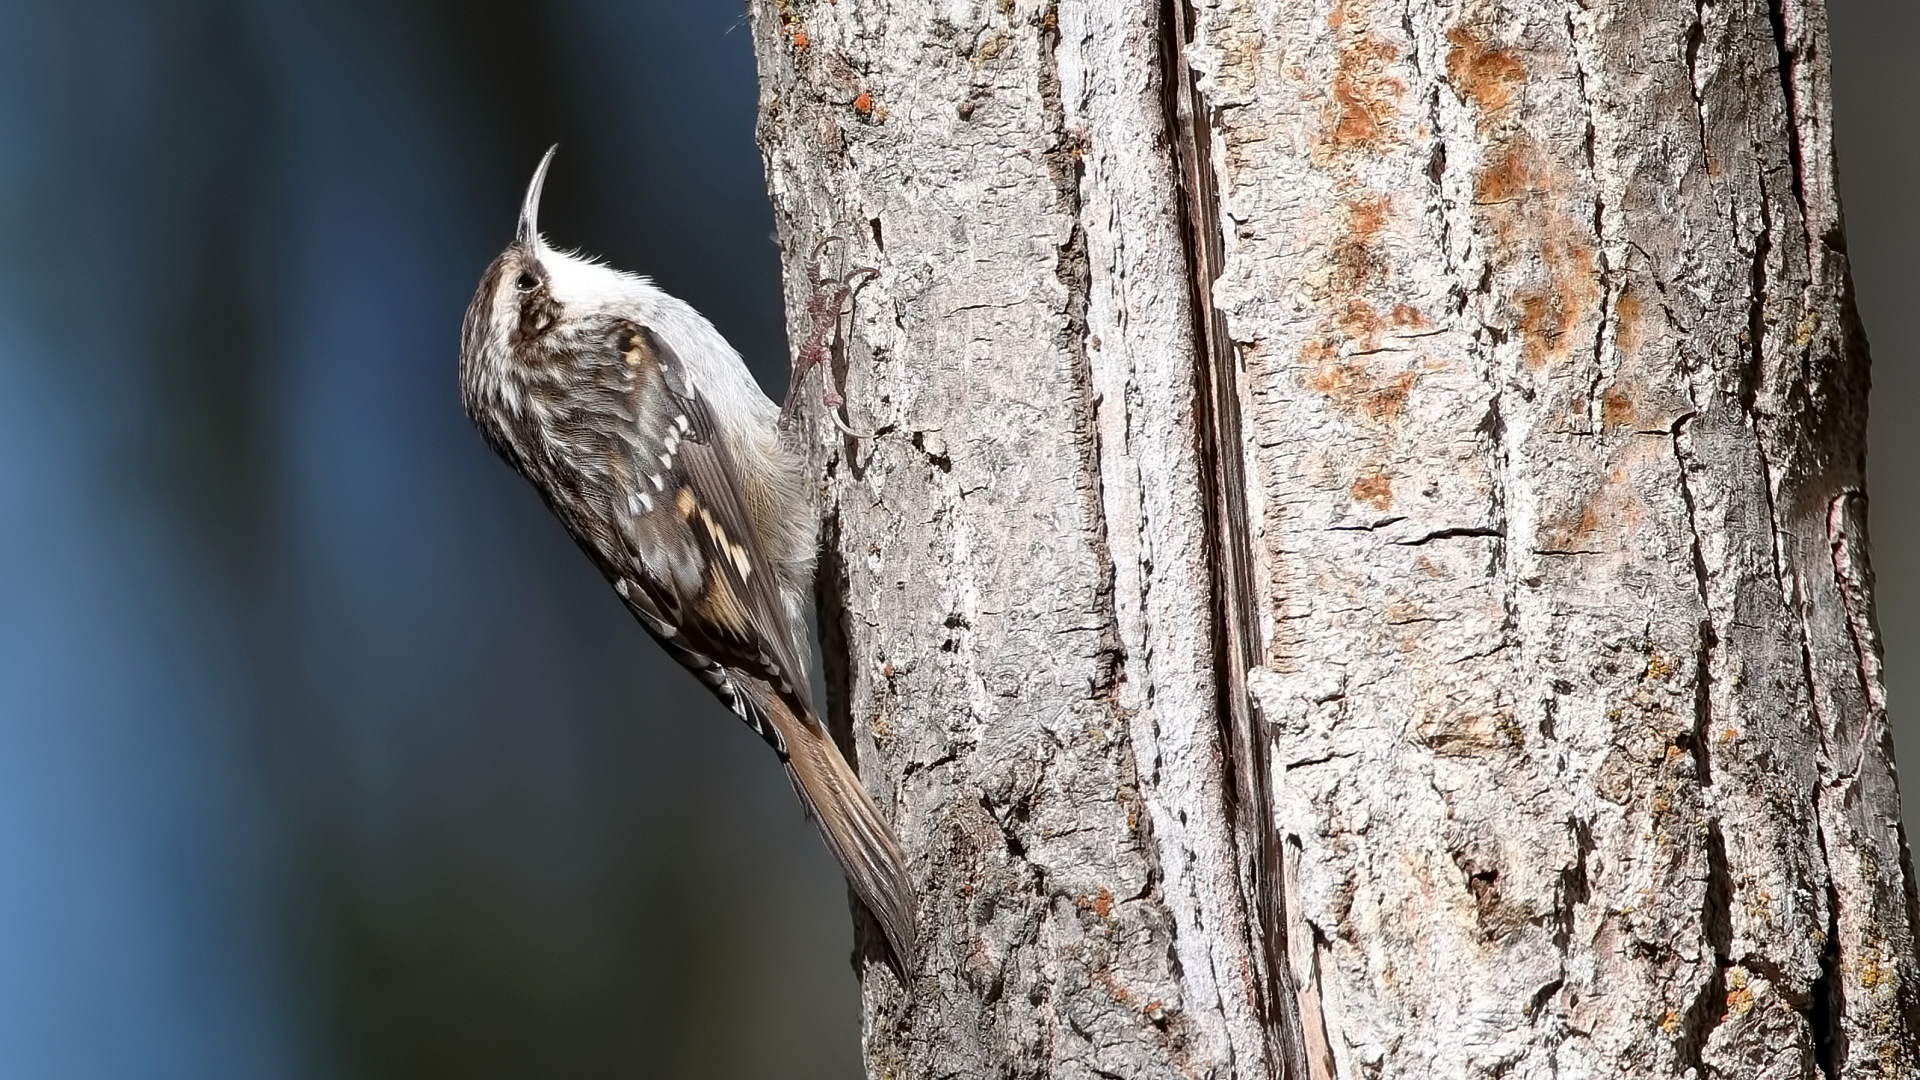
(1362, 567)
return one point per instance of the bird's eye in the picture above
(526, 282)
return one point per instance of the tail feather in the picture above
(847, 818)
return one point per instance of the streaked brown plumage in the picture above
(647, 437)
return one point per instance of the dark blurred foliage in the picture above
(322, 751)
(1876, 99)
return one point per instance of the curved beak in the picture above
(528, 235)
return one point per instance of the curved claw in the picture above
(819, 253)
(834, 414)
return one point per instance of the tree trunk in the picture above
(1362, 570)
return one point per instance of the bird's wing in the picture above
(694, 569)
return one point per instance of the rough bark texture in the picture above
(1362, 570)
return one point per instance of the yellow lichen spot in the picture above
(1739, 993)
(1876, 976)
(1658, 667)
(1669, 1022)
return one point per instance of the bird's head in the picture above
(538, 314)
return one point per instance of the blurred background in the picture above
(322, 751)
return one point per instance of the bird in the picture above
(646, 435)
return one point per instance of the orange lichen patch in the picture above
(1358, 265)
(1360, 323)
(1352, 386)
(1355, 122)
(1616, 408)
(1318, 352)
(1364, 218)
(1547, 242)
(800, 41)
(1385, 401)
(1572, 531)
(1626, 322)
(1596, 523)
(1364, 96)
(863, 104)
(1512, 174)
(1481, 72)
(1100, 904)
(1374, 489)
(1544, 322)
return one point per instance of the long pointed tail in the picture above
(848, 820)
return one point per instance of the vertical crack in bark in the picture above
(1609, 295)
(1827, 1002)
(1236, 633)
(1757, 309)
(1709, 638)
(1696, 37)
(1790, 99)
(830, 588)
(1853, 582)
(1709, 1006)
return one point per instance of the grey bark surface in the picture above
(1361, 570)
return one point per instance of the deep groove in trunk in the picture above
(1237, 636)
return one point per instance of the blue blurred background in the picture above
(322, 751)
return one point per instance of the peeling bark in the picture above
(1362, 567)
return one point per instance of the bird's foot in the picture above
(832, 297)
